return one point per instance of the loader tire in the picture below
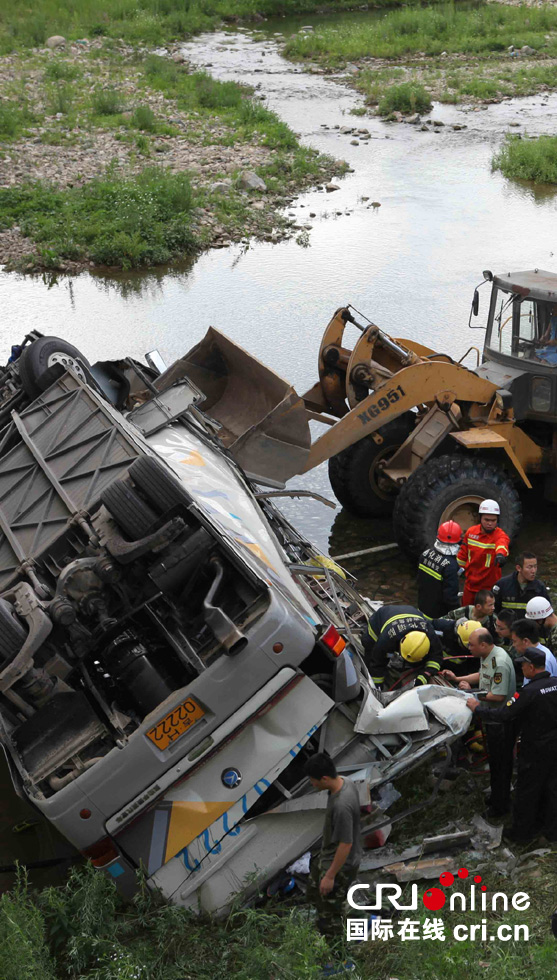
(162, 489)
(355, 479)
(134, 516)
(451, 487)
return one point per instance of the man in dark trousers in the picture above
(402, 629)
(514, 591)
(333, 870)
(534, 709)
(438, 572)
(496, 676)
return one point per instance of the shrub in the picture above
(23, 949)
(144, 118)
(106, 101)
(407, 97)
(213, 94)
(11, 119)
(61, 71)
(61, 99)
(528, 159)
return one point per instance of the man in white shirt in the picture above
(525, 633)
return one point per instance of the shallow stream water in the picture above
(410, 265)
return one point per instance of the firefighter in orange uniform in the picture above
(484, 548)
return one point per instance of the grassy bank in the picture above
(458, 54)
(453, 82)
(140, 221)
(147, 21)
(430, 31)
(118, 156)
(528, 159)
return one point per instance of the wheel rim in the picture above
(381, 485)
(463, 510)
(67, 361)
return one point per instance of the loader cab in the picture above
(520, 352)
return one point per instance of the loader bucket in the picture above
(263, 420)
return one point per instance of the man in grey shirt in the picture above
(333, 870)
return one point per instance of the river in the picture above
(410, 265)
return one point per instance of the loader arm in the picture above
(427, 382)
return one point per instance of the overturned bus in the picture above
(171, 649)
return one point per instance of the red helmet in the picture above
(449, 533)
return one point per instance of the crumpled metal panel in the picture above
(71, 448)
(407, 712)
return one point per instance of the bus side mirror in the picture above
(476, 303)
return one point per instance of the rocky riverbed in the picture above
(63, 134)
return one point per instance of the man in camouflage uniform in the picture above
(482, 611)
(333, 870)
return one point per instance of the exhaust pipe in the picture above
(222, 626)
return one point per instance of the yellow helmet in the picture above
(465, 631)
(414, 646)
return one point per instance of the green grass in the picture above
(139, 221)
(136, 21)
(83, 931)
(407, 97)
(200, 92)
(431, 30)
(106, 101)
(60, 99)
(144, 118)
(14, 119)
(496, 82)
(61, 71)
(528, 159)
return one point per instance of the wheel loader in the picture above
(404, 427)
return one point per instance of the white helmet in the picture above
(489, 507)
(539, 608)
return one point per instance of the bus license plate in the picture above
(175, 723)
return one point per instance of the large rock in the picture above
(56, 41)
(331, 187)
(251, 182)
(221, 186)
(526, 49)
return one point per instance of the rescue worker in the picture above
(541, 610)
(503, 623)
(525, 634)
(534, 711)
(482, 610)
(438, 572)
(455, 638)
(515, 590)
(333, 870)
(484, 548)
(402, 629)
(496, 676)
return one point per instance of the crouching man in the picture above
(335, 867)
